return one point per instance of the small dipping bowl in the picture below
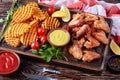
(114, 64)
(58, 37)
(9, 62)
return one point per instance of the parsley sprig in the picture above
(48, 52)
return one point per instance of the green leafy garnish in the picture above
(48, 52)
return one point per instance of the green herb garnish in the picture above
(48, 52)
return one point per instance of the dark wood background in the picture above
(24, 67)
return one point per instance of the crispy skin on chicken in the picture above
(76, 49)
(102, 24)
(91, 42)
(76, 52)
(80, 31)
(90, 56)
(87, 30)
(90, 17)
(101, 36)
(78, 20)
(81, 42)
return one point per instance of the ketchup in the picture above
(8, 62)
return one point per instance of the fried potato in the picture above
(46, 14)
(15, 42)
(23, 14)
(32, 4)
(34, 23)
(29, 37)
(19, 29)
(50, 23)
(38, 14)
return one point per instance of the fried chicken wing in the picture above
(80, 31)
(76, 52)
(90, 56)
(102, 24)
(78, 20)
(101, 36)
(91, 42)
(81, 42)
(76, 49)
(90, 17)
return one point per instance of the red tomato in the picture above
(51, 10)
(41, 31)
(35, 45)
(43, 39)
(67, 28)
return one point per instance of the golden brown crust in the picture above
(22, 14)
(31, 35)
(50, 23)
(15, 42)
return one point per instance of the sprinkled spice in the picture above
(114, 63)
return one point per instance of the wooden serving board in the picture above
(95, 66)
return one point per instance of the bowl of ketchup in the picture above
(9, 62)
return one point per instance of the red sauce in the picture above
(8, 62)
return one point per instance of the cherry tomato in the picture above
(43, 39)
(41, 31)
(51, 10)
(35, 45)
(67, 28)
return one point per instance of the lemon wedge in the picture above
(59, 14)
(66, 10)
(115, 48)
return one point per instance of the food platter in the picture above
(96, 65)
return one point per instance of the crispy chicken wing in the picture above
(76, 52)
(78, 20)
(81, 42)
(76, 48)
(80, 31)
(90, 17)
(90, 56)
(101, 36)
(102, 24)
(91, 42)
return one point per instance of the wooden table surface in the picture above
(24, 67)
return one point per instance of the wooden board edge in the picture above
(54, 60)
(107, 47)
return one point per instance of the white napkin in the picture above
(96, 9)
